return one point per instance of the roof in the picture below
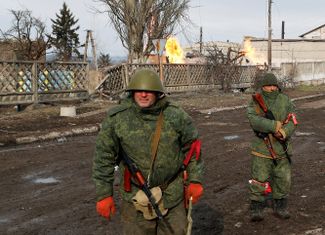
(288, 40)
(302, 35)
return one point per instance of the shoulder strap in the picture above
(155, 143)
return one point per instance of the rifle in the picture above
(138, 176)
(266, 136)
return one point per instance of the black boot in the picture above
(280, 208)
(256, 210)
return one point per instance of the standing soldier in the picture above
(155, 140)
(272, 117)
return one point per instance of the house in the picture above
(302, 57)
(284, 50)
(11, 50)
(193, 55)
(316, 33)
(6, 52)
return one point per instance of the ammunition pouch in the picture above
(142, 203)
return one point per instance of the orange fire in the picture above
(174, 52)
(251, 54)
(249, 51)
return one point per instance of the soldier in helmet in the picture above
(272, 117)
(160, 138)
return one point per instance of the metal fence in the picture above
(177, 77)
(34, 82)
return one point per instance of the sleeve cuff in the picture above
(103, 192)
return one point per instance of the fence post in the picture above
(125, 75)
(188, 75)
(313, 69)
(210, 72)
(35, 83)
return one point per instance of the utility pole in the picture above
(201, 40)
(159, 45)
(86, 48)
(269, 45)
(93, 48)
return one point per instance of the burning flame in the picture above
(174, 52)
(250, 53)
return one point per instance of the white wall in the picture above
(288, 51)
(304, 72)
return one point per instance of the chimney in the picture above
(282, 30)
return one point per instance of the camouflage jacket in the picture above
(134, 128)
(281, 106)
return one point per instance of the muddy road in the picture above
(46, 188)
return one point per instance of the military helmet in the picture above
(145, 80)
(269, 79)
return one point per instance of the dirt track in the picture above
(46, 187)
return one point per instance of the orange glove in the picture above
(194, 190)
(106, 207)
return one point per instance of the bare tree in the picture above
(225, 65)
(138, 20)
(27, 35)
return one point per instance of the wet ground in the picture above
(46, 187)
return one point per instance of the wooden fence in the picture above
(39, 82)
(177, 77)
(34, 82)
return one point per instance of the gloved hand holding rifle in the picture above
(265, 136)
(279, 135)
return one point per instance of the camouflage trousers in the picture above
(133, 222)
(279, 176)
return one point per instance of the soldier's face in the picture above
(270, 88)
(145, 99)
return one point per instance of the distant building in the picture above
(193, 54)
(303, 57)
(10, 50)
(308, 48)
(287, 50)
(316, 33)
(6, 52)
(206, 46)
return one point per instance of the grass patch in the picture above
(310, 88)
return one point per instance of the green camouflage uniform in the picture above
(134, 128)
(263, 168)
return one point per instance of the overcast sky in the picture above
(221, 19)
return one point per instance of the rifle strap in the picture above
(127, 179)
(155, 143)
(258, 108)
(257, 154)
